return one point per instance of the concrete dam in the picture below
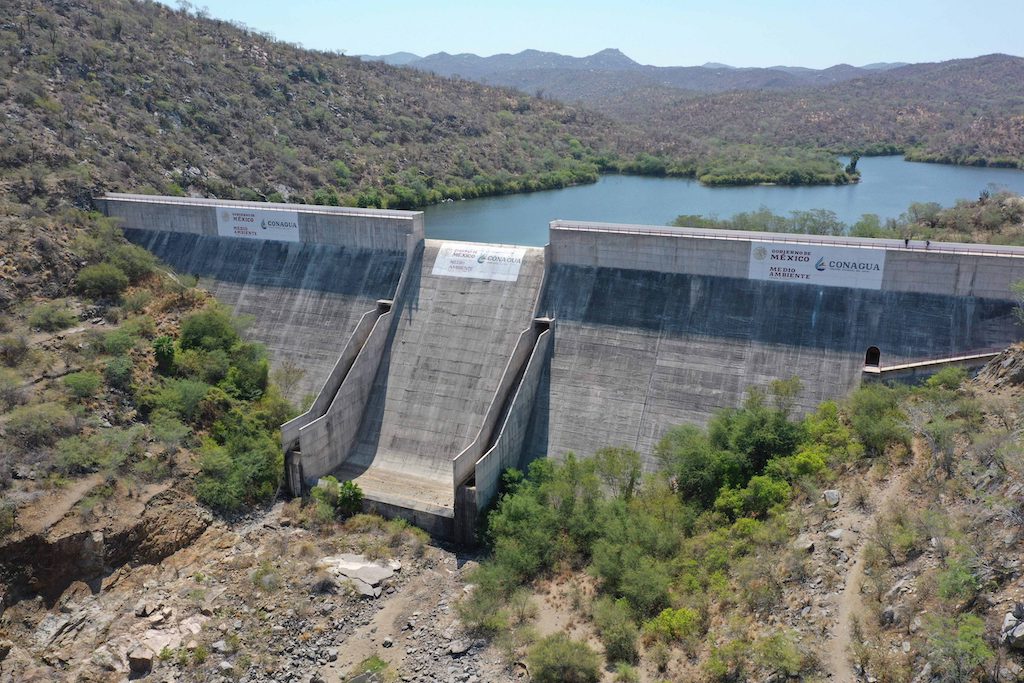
(438, 365)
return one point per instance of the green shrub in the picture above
(38, 425)
(168, 429)
(83, 384)
(958, 582)
(617, 630)
(10, 389)
(180, 397)
(559, 659)
(163, 349)
(761, 494)
(957, 647)
(209, 329)
(625, 673)
(208, 366)
(947, 378)
(107, 449)
(118, 342)
(876, 418)
(681, 625)
(248, 375)
(136, 301)
(241, 464)
(103, 280)
(779, 653)
(118, 373)
(345, 499)
(52, 317)
(134, 261)
(14, 349)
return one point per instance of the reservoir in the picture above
(888, 186)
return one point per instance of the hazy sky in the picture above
(814, 33)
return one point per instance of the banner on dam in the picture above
(479, 261)
(258, 224)
(813, 264)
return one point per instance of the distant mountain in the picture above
(394, 59)
(961, 111)
(594, 78)
(884, 66)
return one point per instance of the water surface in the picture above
(888, 185)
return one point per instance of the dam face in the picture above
(440, 364)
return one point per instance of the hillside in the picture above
(133, 95)
(966, 111)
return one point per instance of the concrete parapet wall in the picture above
(290, 430)
(510, 443)
(944, 268)
(463, 465)
(325, 442)
(340, 226)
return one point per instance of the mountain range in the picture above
(579, 78)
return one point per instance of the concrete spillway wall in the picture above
(657, 327)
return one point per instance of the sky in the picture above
(814, 34)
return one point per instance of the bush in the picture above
(51, 317)
(957, 647)
(107, 449)
(681, 625)
(83, 384)
(10, 389)
(876, 418)
(947, 378)
(118, 373)
(134, 261)
(344, 499)
(761, 494)
(249, 371)
(14, 349)
(209, 329)
(617, 630)
(168, 429)
(180, 397)
(163, 350)
(242, 464)
(118, 342)
(559, 659)
(958, 582)
(39, 425)
(103, 280)
(208, 366)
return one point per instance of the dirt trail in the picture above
(46, 513)
(853, 518)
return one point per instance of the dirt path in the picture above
(854, 519)
(46, 512)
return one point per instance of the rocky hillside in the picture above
(132, 95)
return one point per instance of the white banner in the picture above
(258, 224)
(480, 261)
(812, 264)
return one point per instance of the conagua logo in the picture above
(226, 216)
(263, 224)
(760, 253)
(820, 265)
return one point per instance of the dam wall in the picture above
(659, 326)
(305, 285)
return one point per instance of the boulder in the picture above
(140, 660)
(831, 497)
(1012, 632)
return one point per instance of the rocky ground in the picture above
(261, 599)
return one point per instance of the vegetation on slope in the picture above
(131, 95)
(993, 218)
(962, 111)
(694, 568)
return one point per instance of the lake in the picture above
(888, 186)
